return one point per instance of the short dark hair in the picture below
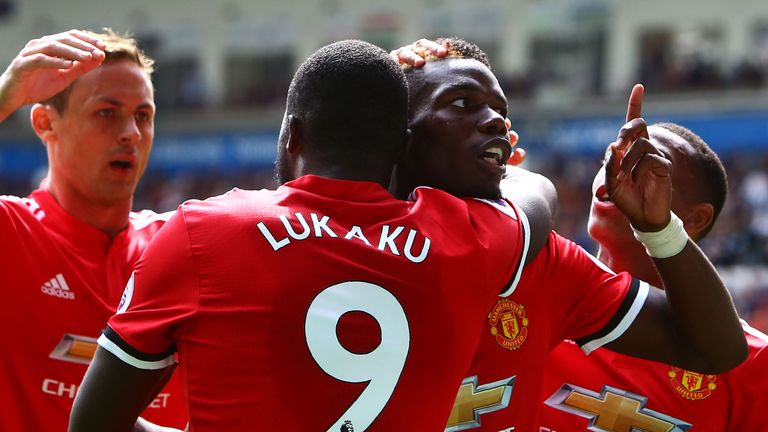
(120, 47)
(352, 99)
(461, 48)
(457, 48)
(713, 188)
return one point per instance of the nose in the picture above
(492, 122)
(130, 131)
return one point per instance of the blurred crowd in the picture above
(185, 89)
(738, 244)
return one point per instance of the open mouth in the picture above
(496, 153)
(121, 164)
(493, 155)
(601, 194)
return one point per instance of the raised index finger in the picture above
(635, 105)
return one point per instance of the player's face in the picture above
(607, 225)
(99, 146)
(460, 141)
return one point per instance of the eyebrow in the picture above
(470, 86)
(117, 102)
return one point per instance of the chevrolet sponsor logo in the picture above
(473, 401)
(75, 349)
(613, 410)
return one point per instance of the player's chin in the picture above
(113, 196)
(488, 191)
(601, 227)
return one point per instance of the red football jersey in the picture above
(564, 293)
(613, 392)
(323, 305)
(62, 280)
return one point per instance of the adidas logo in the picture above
(58, 287)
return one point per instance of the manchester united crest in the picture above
(509, 325)
(692, 385)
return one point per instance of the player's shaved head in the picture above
(351, 100)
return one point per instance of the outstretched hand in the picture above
(46, 66)
(637, 174)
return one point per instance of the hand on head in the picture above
(47, 65)
(416, 53)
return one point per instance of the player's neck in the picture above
(631, 259)
(345, 173)
(401, 185)
(110, 219)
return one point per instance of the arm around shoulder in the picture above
(537, 197)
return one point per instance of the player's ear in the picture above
(294, 144)
(42, 117)
(408, 147)
(698, 218)
(403, 150)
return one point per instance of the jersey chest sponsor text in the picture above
(389, 239)
(73, 348)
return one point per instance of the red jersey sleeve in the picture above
(750, 403)
(594, 305)
(161, 294)
(509, 245)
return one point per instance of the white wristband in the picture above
(665, 243)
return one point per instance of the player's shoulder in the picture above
(19, 205)
(569, 348)
(559, 245)
(12, 200)
(756, 340)
(441, 201)
(234, 204)
(147, 219)
(755, 367)
(559, 250)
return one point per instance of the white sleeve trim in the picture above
(626, 321)
(118, 352)
(753, 331)
(526, 245)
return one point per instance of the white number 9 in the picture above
(381, 367)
